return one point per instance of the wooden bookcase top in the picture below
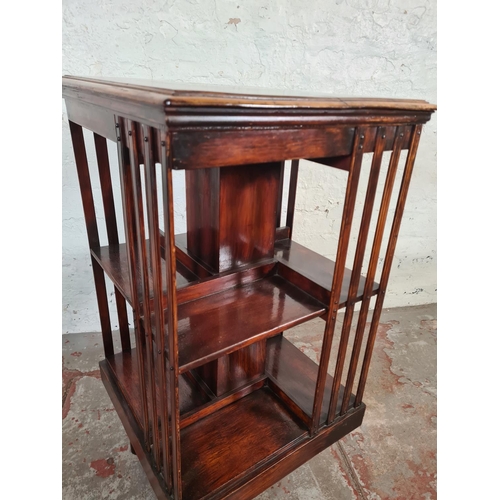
(206, 95)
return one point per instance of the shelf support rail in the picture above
(338, 274)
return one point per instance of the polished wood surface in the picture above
(113, 259)
(216, 402)
(234, 223)
(260, 309)
(199, 95)
(124, 370)
(263, 426)
(318, 269)
(193, 150)
(295, 374)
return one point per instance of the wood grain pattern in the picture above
(316, 268)
(295, 374)
(262, 427)
(248, 199)
(124, 369)
(216, 402)
(356, 269)
(199, 95)
(210, 148)
(203, 216)
(391, 246)
(234, 224)
(113, 259)
(260, 309)
(338, 273)
(235, 370)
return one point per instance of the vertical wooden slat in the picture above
(130, 239)
(391, 246)
(173, 372)
(102, 305)
(143, 279)
(280, 195)
(292, 192)
(101, 149)
(372, 267)
(82, 168)
(356, 269)
(338, 274)
(155, 258)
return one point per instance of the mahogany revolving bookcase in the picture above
(216, 402)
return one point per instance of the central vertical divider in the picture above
(231, 222)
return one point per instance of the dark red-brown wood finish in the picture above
(216, 402)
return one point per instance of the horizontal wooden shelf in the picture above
(113, 260)
(299, 265)
(300, 262)
(125, 371)
(286, 368)
(295, 374)
(253, 430)
(261, 308)
(249, 433)
(258, 432)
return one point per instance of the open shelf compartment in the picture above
(262, 308)
(297, 263)
(259, 424)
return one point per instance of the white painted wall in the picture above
(373, 48)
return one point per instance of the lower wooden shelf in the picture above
(294, 375)
(250, 435)
(125, 372)
(221, 447)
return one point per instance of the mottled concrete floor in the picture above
(391, 456)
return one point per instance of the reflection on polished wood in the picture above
(216, 402)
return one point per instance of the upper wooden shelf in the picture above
(222, 323)
(173, 94)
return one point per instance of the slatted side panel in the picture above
(391, 246)
(372, 267)
(346, 369)
(101, 150)
(142, 280)
(165, 142)
(127, 188)
(338, 274)
(163, 452)
(90, 209)
(156, 326)
(356, 270)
